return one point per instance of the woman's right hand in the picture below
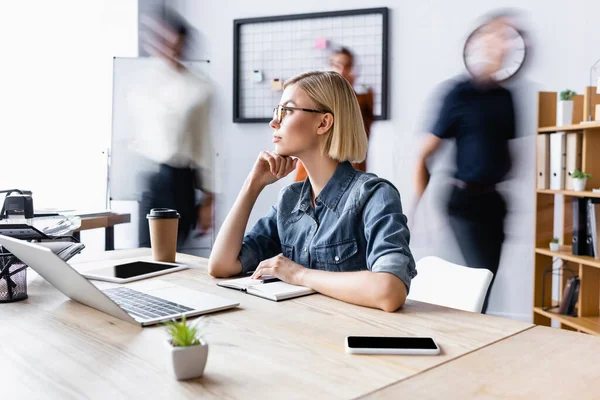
(270, 167)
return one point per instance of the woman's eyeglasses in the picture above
(280, 111)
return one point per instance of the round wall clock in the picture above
(476, 56)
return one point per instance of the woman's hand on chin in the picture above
(270, 167)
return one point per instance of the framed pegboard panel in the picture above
(269, 50)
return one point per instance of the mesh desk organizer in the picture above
(13, 278)
(13, 272)
(559, 274)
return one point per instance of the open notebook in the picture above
(267, 289)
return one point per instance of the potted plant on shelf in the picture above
(554, 246)
(579, 180)
(188, 350)
(564, 113)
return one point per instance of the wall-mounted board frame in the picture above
(269, 50)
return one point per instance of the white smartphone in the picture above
(391, 345)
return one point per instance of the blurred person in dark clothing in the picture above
(479, 114)
(171, 106)
(342, 61)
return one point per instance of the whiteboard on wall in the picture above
(126, 166)
(280, 47)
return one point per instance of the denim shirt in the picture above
(357, 225)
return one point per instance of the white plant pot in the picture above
(579, 184)
(554, 247)
(188, 362)
(564, 113)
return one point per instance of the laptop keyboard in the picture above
(143, 305)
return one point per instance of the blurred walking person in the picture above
(479, 114)
(171, 108)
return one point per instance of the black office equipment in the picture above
(63, 246)
(20, 205)
(589, 239)
(593, 216)
(580, 245)
(13, 272)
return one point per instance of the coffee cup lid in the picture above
(162, 213)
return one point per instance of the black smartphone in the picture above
(391, 345)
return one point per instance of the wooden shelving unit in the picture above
(570, 193)
(570, 128)
(588, 268)
(566, 254)
(589, 325)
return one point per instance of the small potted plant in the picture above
(564, 112)
(188, 350)
(579, 180)
(554, 246)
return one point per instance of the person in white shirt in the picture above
(171, 106)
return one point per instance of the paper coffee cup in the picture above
(163, 233)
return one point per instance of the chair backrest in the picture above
(450, 285)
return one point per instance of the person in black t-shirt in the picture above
(479, 114)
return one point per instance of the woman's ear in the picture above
(325, 124)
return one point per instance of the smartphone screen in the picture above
(388, 342)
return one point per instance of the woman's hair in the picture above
(331, 92)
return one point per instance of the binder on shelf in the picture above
(573, 157)
(579, 241)
(557, 161)
(543, 161)
(588, 236)
(593, 218)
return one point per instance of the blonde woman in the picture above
(341, 232)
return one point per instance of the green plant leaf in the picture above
(567, 95)
(183, 334)
(578, 174)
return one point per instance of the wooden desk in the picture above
(107, 222)
(293, 349)
(540, 363)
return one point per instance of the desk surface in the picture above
(263, 349)
(103, 220)
(540, 363)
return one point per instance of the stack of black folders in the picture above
(586, 223)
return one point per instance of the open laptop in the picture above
(143, 307)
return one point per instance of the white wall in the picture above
(56, 96)
(56, 92)
(425, 49)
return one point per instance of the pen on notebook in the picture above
(268, 278)
(264, 278)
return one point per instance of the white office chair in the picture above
(450, 285)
